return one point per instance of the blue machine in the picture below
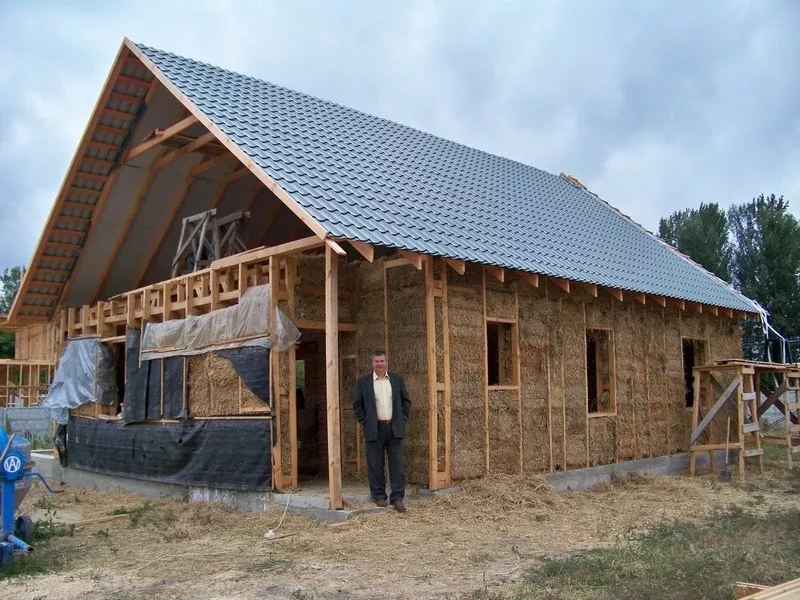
(15, 483)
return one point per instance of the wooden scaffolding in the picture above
(24, 383)
(735, 387)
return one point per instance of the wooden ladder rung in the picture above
(795, 449)
(751, 427)
(747, 396)
(794, 428)
(793, 405)
(754, 452)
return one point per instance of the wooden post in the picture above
(291, 270)
(433, 394)
(447, 392)
(485, 369)
(274, 363)
(598, 388)
(332, 377)
(516, 375)
(695, 418)
(740, 409)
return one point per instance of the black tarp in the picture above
(227, 454)
(143, 393)
(252, 366)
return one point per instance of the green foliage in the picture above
(701, 234)
(756, 246)
(677, 561)
(767, 263)
(9, 284)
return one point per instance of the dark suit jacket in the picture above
(367, 413)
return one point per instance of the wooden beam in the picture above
(497, 272)
(734, 385)
(413, 258)
(447, 389)
(614, 293)
(211, 163)
(260, 254)
(660, 300)
(268, 181)
(531, 278)
(562, 283)
(192, 146)
(459, 266)
(680, 304)
(640, 298)
(728, 312)
(590, 288)
(433, 394)
(159, 137)
(335, 247)
(364, 249)
(713, 310)
(332, 378)
(772, 398)
(696, 306)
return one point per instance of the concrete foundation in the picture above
(581, 479)
(317, 507)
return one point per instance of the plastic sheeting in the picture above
(86, 373)
(252, 366)
(144, 396)
(225, 454)
(245, 324)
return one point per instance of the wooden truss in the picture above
(206, 238)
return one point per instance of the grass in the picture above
(145, 514)
(677, 561)
(38, 562)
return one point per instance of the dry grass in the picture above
(500, 527)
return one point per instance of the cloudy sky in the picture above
(654, 105)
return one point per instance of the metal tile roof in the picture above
(369, 179)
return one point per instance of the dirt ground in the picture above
(449, 547)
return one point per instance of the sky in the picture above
(655, 106)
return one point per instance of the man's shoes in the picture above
(381, 502)
(399, 506)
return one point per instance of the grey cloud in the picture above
(654, 105)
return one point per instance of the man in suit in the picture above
(382, 406)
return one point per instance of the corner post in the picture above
(332, 377)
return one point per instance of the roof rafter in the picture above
(160, 137)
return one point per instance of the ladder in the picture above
(749, 428)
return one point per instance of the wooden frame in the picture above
(611, 387)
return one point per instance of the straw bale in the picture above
(407, 338)
(466, 372)
(574, 360)
(641, 384)
(602, 440)
(533, 349)
(440, 333)
(625, 334)
(599, 312)
(473, 276)
(214, 387)
(656, 380)
(310, 274)
(441, 463)
(556, 333)
(370, 314)
(500, 299)
(89, 409)
(678, 416)
(503, 431)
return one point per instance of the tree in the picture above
(10, 280)
(702, 235)
(766, 263)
